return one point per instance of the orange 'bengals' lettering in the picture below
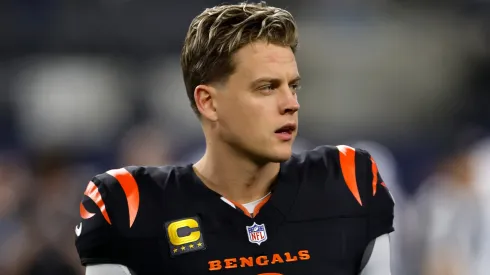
(230, 263)
(249, 261)
(215, 265)
(289, 258)
(262, 260)
(304, 255)
(276, 258)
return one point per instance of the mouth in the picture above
(285, 133)
(287, 128)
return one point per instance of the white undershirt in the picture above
(250, 206)
(378, 263)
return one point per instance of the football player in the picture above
(248, 206)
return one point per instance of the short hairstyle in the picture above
(217, 33)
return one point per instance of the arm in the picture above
(375, 197)
(108, 269)
(103, 215)
(376, 259)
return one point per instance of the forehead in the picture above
(261, 59)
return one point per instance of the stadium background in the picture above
(86, 86)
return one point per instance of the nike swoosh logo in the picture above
(78, 230)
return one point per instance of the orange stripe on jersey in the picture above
(130, 188)
(256, 209)
(375, 175)
(259, 206)
(241, 207)
(93, 193)
(348, 165)
(84, 212)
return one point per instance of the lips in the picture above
(285, 133)
(287, 128)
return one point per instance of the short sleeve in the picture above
(380, 201)
(97, 238)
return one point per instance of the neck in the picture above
(234, 176)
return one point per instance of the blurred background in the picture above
(87, 86)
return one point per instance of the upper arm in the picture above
(380, 209)
(370, 198)
(105, 213)
(378, 199)
(108, 269)
(377, 260)
(360, 173)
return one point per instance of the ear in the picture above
(205, 97)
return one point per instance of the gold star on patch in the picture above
(175, 250)
(191, 246)
(199, 244)
(182, 248)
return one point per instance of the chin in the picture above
(281, 155)
(272, 153)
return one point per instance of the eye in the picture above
(266, 88)
(296, 87)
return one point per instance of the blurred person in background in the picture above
(14, 200)
(448, 228)
(247, 204)
(144, 145)
(480, 163)
(452, 222)
(50, 214)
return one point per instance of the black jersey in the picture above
(326, 205)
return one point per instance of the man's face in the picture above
(257, 108)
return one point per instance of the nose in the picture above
(291, 104)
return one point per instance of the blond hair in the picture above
(217, 33)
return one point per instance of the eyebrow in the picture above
(274, 80)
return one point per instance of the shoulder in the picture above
(137, 175)
(125, 188)
(131, 179)
(121, 212)
(344, 180)
(339, 170)
(333, 154)
(352, 163)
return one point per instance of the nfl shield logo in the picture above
(256, 233)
